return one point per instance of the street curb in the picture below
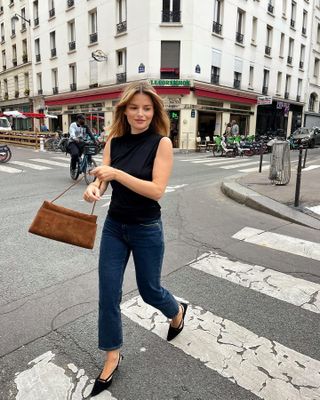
(255, 200)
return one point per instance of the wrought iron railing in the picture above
(122, 77)
(171, 16)
(216, 28)
(122, 27)
(239, 37)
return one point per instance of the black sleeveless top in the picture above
(134, 154)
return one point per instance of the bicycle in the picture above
(5, 154)
(57, 143)
(85, 163)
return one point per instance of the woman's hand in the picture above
(104, 173)
(92, 193)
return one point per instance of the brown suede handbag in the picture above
(64, 224)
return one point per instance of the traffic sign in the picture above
(264, 100)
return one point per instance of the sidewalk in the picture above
(257, 191)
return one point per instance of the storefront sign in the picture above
(264, 100)
(170, 82)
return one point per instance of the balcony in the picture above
(13, 33)
(16, 94)
(53, 52)
(4, 67)
(73, 87)
(301, 63)
(171, 16)
(1, 9)
(55, 90)
(25, 58)
(236, 84)
(292, 23)
(70, 3)
(40, 91)
(169, 73)
(289, 60)
(286, 95)
(36, 22)
(304, 30)
(3, 39)
(93, 37)
(23, 27)
(6, 95)
(267, 50)
(270, 8)
(27, 92)
(52, 13)
(93, 85)
(122, 77)
(122, 27)
(215, 79)
(298, 98)
(264, 89)
(38, 57)
(72, 45)
(14, 62)
(239, 37)
(216, 28)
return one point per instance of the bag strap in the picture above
(71, 186)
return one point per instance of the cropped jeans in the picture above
(146, 243)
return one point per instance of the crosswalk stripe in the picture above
(241, 165)
(208, 160)
(66, 159)
(280, 242)
(264, 367)
(296, 291)
(311, 167)
(192, 159)
(264, 168)
(50, 162)
(315, 209)
(29, 165)
(5, 168)
(227, 161)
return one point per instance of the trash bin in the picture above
(280, 166)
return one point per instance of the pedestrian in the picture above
(234, 128)
(137, 161)
(227, 132)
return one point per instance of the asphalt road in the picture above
(48, 297)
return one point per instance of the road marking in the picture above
(298, 292)
(228, 161)
(50, 162)
(266, 368)
(4, 168)
(46, 380)
(315, 209)
(66, 159)
(264, 168)
(311, 167)
(170, 189)
(29, 165)
(241, 165)
(279, 242)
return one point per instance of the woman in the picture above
(137, 161)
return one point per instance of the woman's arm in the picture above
(160, 174)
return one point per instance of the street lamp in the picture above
(17, 16)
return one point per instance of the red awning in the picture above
(224, 96)
(82, 98)
(94, 117)
(33, 115)
(172, 90)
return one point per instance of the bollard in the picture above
(298, 181)
(41, 144)
(261, 156)
(305, 157)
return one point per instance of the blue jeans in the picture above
(146, 243)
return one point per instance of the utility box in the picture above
(280, 166)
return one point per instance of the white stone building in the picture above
(209, 59)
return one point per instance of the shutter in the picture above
(170, 54)
(216, 58)
(93, 65)
(238, 65)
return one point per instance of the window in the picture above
(53, 48)
(52, 11)
(299, 89)
(251, 75)
(293, 14)
(282, 39)
(122, 16)
(16, 86)
(93, 29)
(14, 55)
(54, 80)
(254, 29)
(215, 66)
(270, 7)
(37, 50)
(312, 101)
(290, 51)
(170, 60)
(72, 35)
(284, 8)
(279, 81)
(237, 73)
(287, 89)
(217, 17)
(302, 55)
(23, 22)
(4, 61)
(171, 11)
(93, 72)
(265, 81)
(318, 33)
(24, 51)
(5, 88)
(35, 13)
(268, 41)
(2, 32)
(39, 82)
(240, 26)
(26, 82)
(304, 22)
(316, 67)
(73, 77)
(13, 27)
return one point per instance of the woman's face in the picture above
(139, 112)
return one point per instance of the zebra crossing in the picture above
(266, 368)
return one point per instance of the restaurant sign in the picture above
(170, 82)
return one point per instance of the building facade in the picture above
(210, 61)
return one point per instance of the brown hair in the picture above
(160, 122)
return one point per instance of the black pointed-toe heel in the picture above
(173, 332)
(102, 384)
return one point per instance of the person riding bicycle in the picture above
(78, 133)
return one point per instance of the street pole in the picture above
(261, 156)
(298, 181)
(305, 157)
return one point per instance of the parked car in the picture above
(4, 124)
(307, 137)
